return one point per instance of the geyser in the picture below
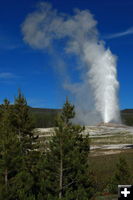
(43, 28)
(102, 75)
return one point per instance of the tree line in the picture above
(57, 169)
(45, 118)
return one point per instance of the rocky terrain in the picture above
(104, 138)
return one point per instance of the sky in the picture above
(34, 71)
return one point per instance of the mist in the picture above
(96, 96)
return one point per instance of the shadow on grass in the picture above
(129, 146)
(106, 197)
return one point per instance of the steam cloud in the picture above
(96, 95)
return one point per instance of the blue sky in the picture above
(31, 69)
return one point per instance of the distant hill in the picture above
(45, 110)
(45, 117)
(52, 110)
(127, 116)
(128, 111)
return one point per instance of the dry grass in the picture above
(104, 166)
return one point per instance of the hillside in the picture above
(127, 116)
(45, 110)
(128, 111)
(105, 138)
(45, 117)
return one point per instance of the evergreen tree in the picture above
(18, 159)
(23, 123)
(121, 176)
(25, 181)
(9, 152)
(66, 172)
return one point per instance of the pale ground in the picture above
(105, 138)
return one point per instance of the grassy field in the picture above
(104, 167)
(118, 138)
(103, 161)
(115, 139)
(106, 197)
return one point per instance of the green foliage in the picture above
(23, 125)
(44, 120)
(23, 122)
(121, 176)
(60, 171)
(16, 151)
(67, 113)
(9, 152)
(127, 119)
(66, 163)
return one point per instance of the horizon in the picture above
(32, 70)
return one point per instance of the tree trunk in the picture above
(19, 136)
(61, 173)
(6, 178)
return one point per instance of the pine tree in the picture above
(18, 159)
(121, 176)
(23, 123)
(10, 160)
(66, 171)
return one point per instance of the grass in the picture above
(104, 167)
(120, 138)
(110, 197)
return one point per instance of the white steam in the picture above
(96, 96)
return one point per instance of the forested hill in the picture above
(127, 116)
(45, 117)
(45, 110)
(128, 111)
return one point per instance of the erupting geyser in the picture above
(102, 76)
(43, 28)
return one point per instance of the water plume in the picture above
(99, 86)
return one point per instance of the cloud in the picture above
(7, 75)
(120, 34)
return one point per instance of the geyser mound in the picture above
(111, 124)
